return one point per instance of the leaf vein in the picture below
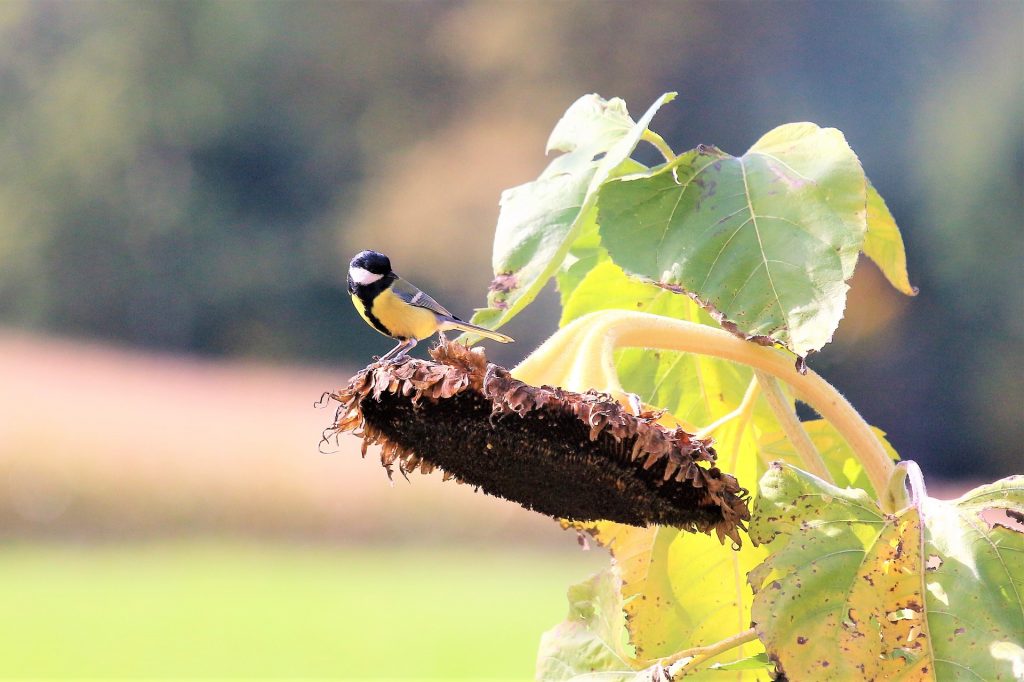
(671, 214)
(760, 244)
(724, 246)
(788, 167)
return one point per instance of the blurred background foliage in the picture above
(192, 178)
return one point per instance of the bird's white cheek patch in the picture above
(362, 276)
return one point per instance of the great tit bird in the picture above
(397, 309)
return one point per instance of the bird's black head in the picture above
(369, 273)
(372, 262)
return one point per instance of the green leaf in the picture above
(975, 596)
(539, 221)
(592, 639)
(884, 244)
(932, 592)
(843, 464)
(767, 239)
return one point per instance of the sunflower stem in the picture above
(791, 426)
(690, 660)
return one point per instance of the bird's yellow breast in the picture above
(361, 309)
(401, 319)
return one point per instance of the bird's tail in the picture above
(452, 323)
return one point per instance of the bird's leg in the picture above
(410, 344)
(442, 338)
(398, 351)
(393, 352)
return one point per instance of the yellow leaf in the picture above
(884, 244)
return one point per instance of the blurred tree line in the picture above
(195, 175)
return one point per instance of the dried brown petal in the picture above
(579, 456)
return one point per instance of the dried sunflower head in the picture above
(577, 456)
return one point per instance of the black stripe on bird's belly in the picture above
(366, 293)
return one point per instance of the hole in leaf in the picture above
(1003, 518)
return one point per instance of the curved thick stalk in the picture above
(658, 142)
(581, 356)
(791, 426)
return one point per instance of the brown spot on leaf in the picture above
(709, 190)
(578, 456)
(709, 150)
(503, 283)
(801, 640)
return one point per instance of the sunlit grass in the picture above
(204, 609)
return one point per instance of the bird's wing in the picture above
(413, 296)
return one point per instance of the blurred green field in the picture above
(210, 609)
